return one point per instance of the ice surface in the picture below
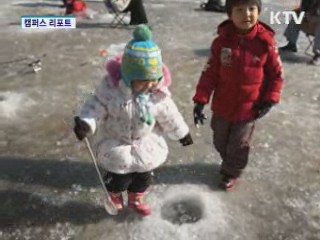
(11, 103)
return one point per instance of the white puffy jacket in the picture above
(122, 142)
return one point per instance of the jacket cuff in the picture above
(92, 124)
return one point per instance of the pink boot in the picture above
(117, 200)
(136, 202)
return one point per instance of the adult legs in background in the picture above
(291, 33)
(214, 5)
(137, 12)
(316, 47)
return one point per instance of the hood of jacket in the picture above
(261, 30)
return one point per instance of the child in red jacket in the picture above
(244, 73)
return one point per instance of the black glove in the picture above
(263, 108)
(187, 140)
(198, 115)
(81, 128)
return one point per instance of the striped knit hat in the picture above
(142, 57)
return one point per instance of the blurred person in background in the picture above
(135, 7)
(312, 20)
(214, 6)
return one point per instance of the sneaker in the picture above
(290, 47)
(315, 60)
(228, 183)
(117, 200)
(136, 202)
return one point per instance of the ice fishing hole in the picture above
(182, 211)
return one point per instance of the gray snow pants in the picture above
(232, 141)
(292, 33)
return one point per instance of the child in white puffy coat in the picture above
(127, 116)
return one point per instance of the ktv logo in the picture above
(284, 17)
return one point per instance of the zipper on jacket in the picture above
(131, 115)
(242, 60)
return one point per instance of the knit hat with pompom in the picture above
(142, 57)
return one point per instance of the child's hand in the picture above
(263, 108)
(198, 115)
(187, 140)
(81, 128)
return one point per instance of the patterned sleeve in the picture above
(94, 111)
(274, 76)
(209, 76)
(170, 119)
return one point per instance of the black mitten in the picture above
(198, 115)
(81, 128)
(187, 140)
(263, 108)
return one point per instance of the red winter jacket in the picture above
(242, 71)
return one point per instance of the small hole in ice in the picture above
(182, 211)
